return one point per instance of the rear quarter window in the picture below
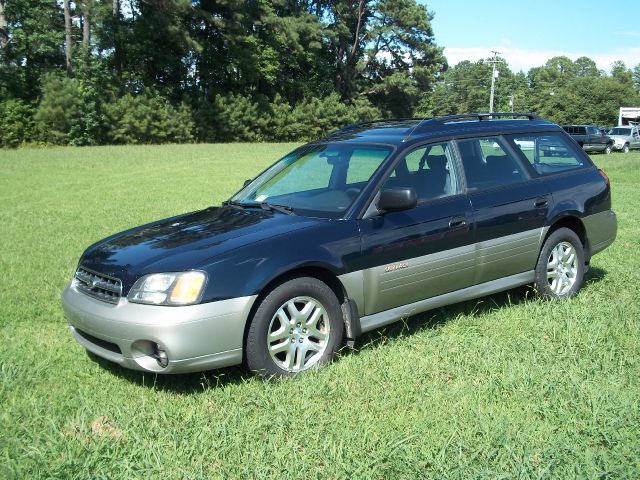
(549, 153)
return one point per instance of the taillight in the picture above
(604, 175)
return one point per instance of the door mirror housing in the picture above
(247, 182)
(397, 199)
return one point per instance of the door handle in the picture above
(457, 222)
(541, 202)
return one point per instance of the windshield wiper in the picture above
(231, 203)
(279, 208)
(264, 205)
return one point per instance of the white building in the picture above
(629, 115)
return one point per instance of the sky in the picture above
(528, 33)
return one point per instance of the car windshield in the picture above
(318, 180)
(619, 131)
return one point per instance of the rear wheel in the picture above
(560, 269)
(297, 326)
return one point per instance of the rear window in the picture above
(549, 152)
(575, 130)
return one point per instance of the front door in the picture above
(426, 251)
(597, 141)
(635, 138)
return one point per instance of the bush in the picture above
(145, 119)
(59, 111)
(16, 123)
(243, 119)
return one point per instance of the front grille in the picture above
(98, 286)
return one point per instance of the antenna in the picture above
(413, 130)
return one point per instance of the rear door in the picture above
(509, 206)
(426, 251)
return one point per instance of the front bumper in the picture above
(195, 337)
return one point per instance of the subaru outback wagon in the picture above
(342, 236)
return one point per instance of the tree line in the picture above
(91, 72)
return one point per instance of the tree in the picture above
(67, 35)
(87, 7)
(384, 49)
(621, 73)
(4, 34)
(585, 67)
(466, 88)
(636, 77)
(34, 30)
(403, 60)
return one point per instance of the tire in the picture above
(297, 326)
(560, 269)
(625, 149)
(607, 150)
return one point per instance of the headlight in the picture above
(169, 288)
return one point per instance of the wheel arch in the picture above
(321, 272)
(572, 222)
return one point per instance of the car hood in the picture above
(186, 241)
(619, 137)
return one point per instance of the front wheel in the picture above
(297, 326)
(625, 149)
(560, 269)
(607, 150)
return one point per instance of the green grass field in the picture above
(504, 387)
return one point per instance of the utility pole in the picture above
(494, 75)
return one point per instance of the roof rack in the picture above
(484, 116)
(423, 122)
(463, 117)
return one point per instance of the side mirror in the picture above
(397, 199)
(247, 182)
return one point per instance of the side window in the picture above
(487, 163)
(363, 163)
(549, 152)
(429, 170)
(593, 131)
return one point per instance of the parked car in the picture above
(590, 138)
(625, 138)
(375, 222)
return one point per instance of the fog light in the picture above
(160, 355)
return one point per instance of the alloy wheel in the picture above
(298, 334)
(562, 268)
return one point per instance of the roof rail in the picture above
(484, 116)
(353, 126)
